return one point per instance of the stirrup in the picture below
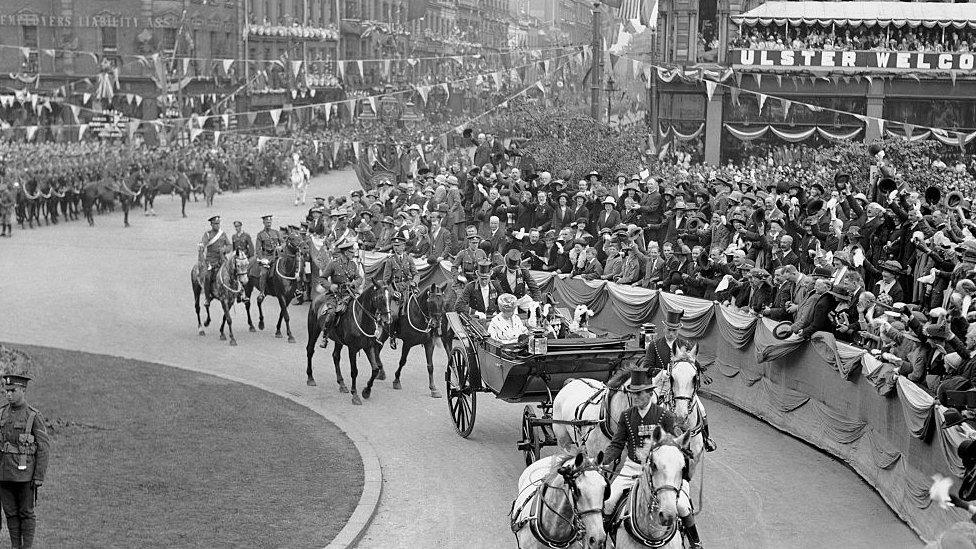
(393, 344)
(710, 445)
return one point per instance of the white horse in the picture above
(559, 503)
(682, 383)
(299, 179)
(648, 517)
(598, 403)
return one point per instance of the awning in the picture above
(868, 14)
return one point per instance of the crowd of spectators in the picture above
(882, 266)
(816, 37)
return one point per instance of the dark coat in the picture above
(658, 355)
(471, 299)
(631, 436)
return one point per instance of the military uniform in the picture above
(7, 202)
(25, 445)
(269, 241)
(400, 272)
(242, 242)
(215, 245)
(468, 259)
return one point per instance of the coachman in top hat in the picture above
(24, 446)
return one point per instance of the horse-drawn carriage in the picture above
(480, 364)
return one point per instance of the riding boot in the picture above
(13, 525)
(325, 322)
(27, 527)
(710, 445)
(691, 532)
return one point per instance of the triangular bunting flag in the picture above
(351, 105)
(275, 115)
(251, 117)
(294, 94)
(762, 101)
(227, 64)
(709, 89)
(138, 99)
(262, 140)
(335, 150)
(75, 109)
(216, 138)
(738, 79)
(186, 65)
(355, 149)
(31, 132)
(447, 90)
(81, 131)
(458, 58)
(423, 91)
(85, 97)
(870, 80)
(412, 61)
(909, 129)
(341, 69)
(374, 104)
(133, 127)
(226, 120)
(539, 85)
(758, 78)
(497, 77)
(26, 53)
(734, 92)
(327, 111)
(195, 132)
(786, 107)
(952, 75)
(881, 122)
(49, 53)
(296, 67)
(387, 69)
(361, 71)
(312, 92)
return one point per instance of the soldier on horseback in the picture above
(269, 241)
(400, 273)
(213, 248)
(341, 280)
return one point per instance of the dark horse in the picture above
(360, 327)
(230, 281)
(419, 322)
(281, 283)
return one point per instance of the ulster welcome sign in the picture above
(853, 61)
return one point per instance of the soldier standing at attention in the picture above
(269, 241)
(25, 446)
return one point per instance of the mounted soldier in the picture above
(399, 273)
(341, 279)
(269, 241)
(214, 247)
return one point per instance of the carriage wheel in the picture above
(530, 441)
(462, 402)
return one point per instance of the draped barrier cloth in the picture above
(882, 425)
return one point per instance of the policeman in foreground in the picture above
(24, 450)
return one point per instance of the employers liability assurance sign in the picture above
(854, 60)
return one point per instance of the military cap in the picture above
(356, 194)
(513, 258)
(15, 365)
(269, 216)
(237, 223)
(319, 198)
(214, 218)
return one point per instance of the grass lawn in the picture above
(149, 456)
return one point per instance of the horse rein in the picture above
(413, 297)
(377, 331)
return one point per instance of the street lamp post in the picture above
(610, 89)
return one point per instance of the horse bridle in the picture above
(413, 296)
(572, 493)
(377, 332)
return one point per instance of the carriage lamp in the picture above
(538, 343)
(646, 334)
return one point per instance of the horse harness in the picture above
(539, 504)
(629, 511)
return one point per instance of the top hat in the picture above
(639, 382)
(484, 268)
(513, 259)
(673, 319)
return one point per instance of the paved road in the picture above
(127, 292)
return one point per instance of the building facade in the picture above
(916, 72)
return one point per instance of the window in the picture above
(30, 36)
(30, 41)
(169, 38)
(109, 39)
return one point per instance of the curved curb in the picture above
(369, 501)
